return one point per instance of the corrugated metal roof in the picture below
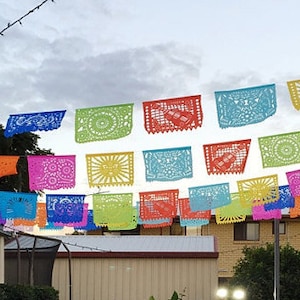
(93, 243)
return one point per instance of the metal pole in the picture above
(18, 260)
(31, 264)
(70, 271)
(276, 261)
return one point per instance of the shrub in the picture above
(175, 296)
(26, 292)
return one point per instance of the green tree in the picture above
(255, 272)
(20, 144)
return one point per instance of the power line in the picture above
(19, 21)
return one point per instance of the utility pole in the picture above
(276, 261)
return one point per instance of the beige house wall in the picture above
(136, 278)
(230, 251)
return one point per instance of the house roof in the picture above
(137, 246)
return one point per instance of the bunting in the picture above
(51, 172)
(42, 121)
(157, 205)
(227, 157)
(245, 106)
(193, 222)
(11, 227)
(208, 197)
(293, 178)
(260, 213)
(233, 212)
(8, 165)
(103, 123)
(23, 222)
(115, 211)
(286, 200)
(280, 150)
(258, 191)
(192, 218)
(163, 222)
(90, 225)
(110, 169)
(51, 226)
(159, 223)
(175, 114)
(130, 224)
(40, 220)
(83, 221)
(41, 215)
(295, 211)
(294, 90)
(64, 208)
(168, 164)
(260, 196)
(18, 205)
(2, 220)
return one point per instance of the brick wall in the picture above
(230, 251)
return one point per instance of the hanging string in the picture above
(19, 21)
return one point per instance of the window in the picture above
(246, 231)
(281, 228)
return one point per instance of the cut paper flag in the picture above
(280, 150)
(293, 178)
(43, 121)
(175, 114)
(51, 172)
(110, 169)
(286, 199)
(259, 213)
(233, 212)
(168, 164)
(23, 222)
(40, 220)
(295, 211)
(64, 208)
(8, 165)
(18, 205)
(192, 218)
(157, 205)
(2, 220)
(294, 90)
(51, 226)
(157, 223)
(103, 123)
(208, 197)
(132, 224)
(226, 157)
(83, 221)
(41, 215)
(258, 191)
(115, 211)
(90, 225)
(10, 227)
(245, 106)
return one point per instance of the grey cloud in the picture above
(119, 77)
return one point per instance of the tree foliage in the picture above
(255, 272)
(21, 145)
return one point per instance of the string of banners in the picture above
(261, 197)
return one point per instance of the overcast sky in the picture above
(75, 54)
